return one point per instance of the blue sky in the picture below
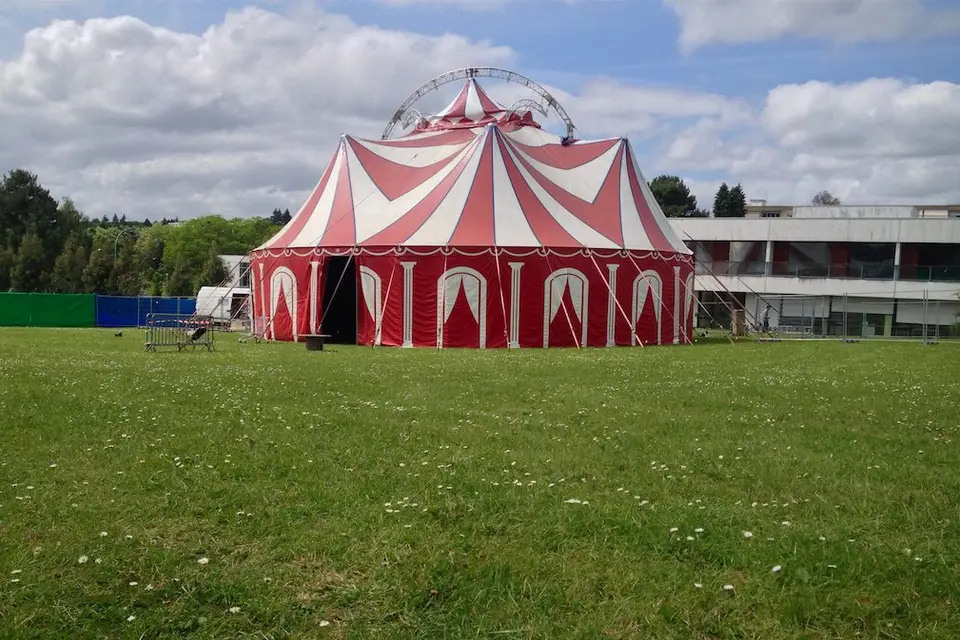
(785, 93)
(637, 40)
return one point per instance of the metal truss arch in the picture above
(400, 116)
(526, 104)
(412, 117)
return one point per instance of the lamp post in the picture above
(116, 243)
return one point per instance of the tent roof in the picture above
(472, 108)
(478, 186)
(472, 103)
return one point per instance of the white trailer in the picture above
(228, 306)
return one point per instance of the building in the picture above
(843, 270)
(238, 270)
(761, 209)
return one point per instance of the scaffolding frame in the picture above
(851, 316)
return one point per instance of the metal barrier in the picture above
(180, 331)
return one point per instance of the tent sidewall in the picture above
(485, 298)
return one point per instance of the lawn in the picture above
(785, 490)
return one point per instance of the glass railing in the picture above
(721, 268)
(855, 271)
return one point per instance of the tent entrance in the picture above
(339, 309)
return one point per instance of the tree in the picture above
(252, 232)
(214, 271)
(673, 196)
(70, 224)
(67, 276)
(737, 207)
(280, 217)
(826, 199)
(149, 258)
(26, 208)
(730, 203)
(78, 254)
(721, 201)
(28, 270)
(178, 284)
(7, 259)
(96, 275)
(125, 273)
(28, 213)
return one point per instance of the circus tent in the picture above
(477, 229)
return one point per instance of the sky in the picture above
(163, 108)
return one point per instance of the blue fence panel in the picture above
(182, 306)
(132, 311)
(152, 305)
(117, 311)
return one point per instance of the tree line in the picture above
(46, 246)
(675, 199)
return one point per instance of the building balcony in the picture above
(855, 271)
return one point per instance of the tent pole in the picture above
(663, 307)
(613, 293)
(503, 304)
(378, 322)
(356, 302)
(936, 325)
(335, 289)
(566, 313)
(923, 334)
(442, 298)
(844, 317)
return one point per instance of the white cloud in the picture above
(466, 4)
(481, 5)
(127, 117)
(606, 106)
(704, 22)
(13, 6)
(880, 140)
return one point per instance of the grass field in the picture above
(722, 491)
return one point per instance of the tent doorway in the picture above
(339, 319)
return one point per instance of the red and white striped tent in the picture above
(473, 107)
(478, 229)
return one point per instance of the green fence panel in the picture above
(47, 310)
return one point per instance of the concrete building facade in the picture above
(845, 270)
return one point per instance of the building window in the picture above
(244, 269)
(769, 214)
